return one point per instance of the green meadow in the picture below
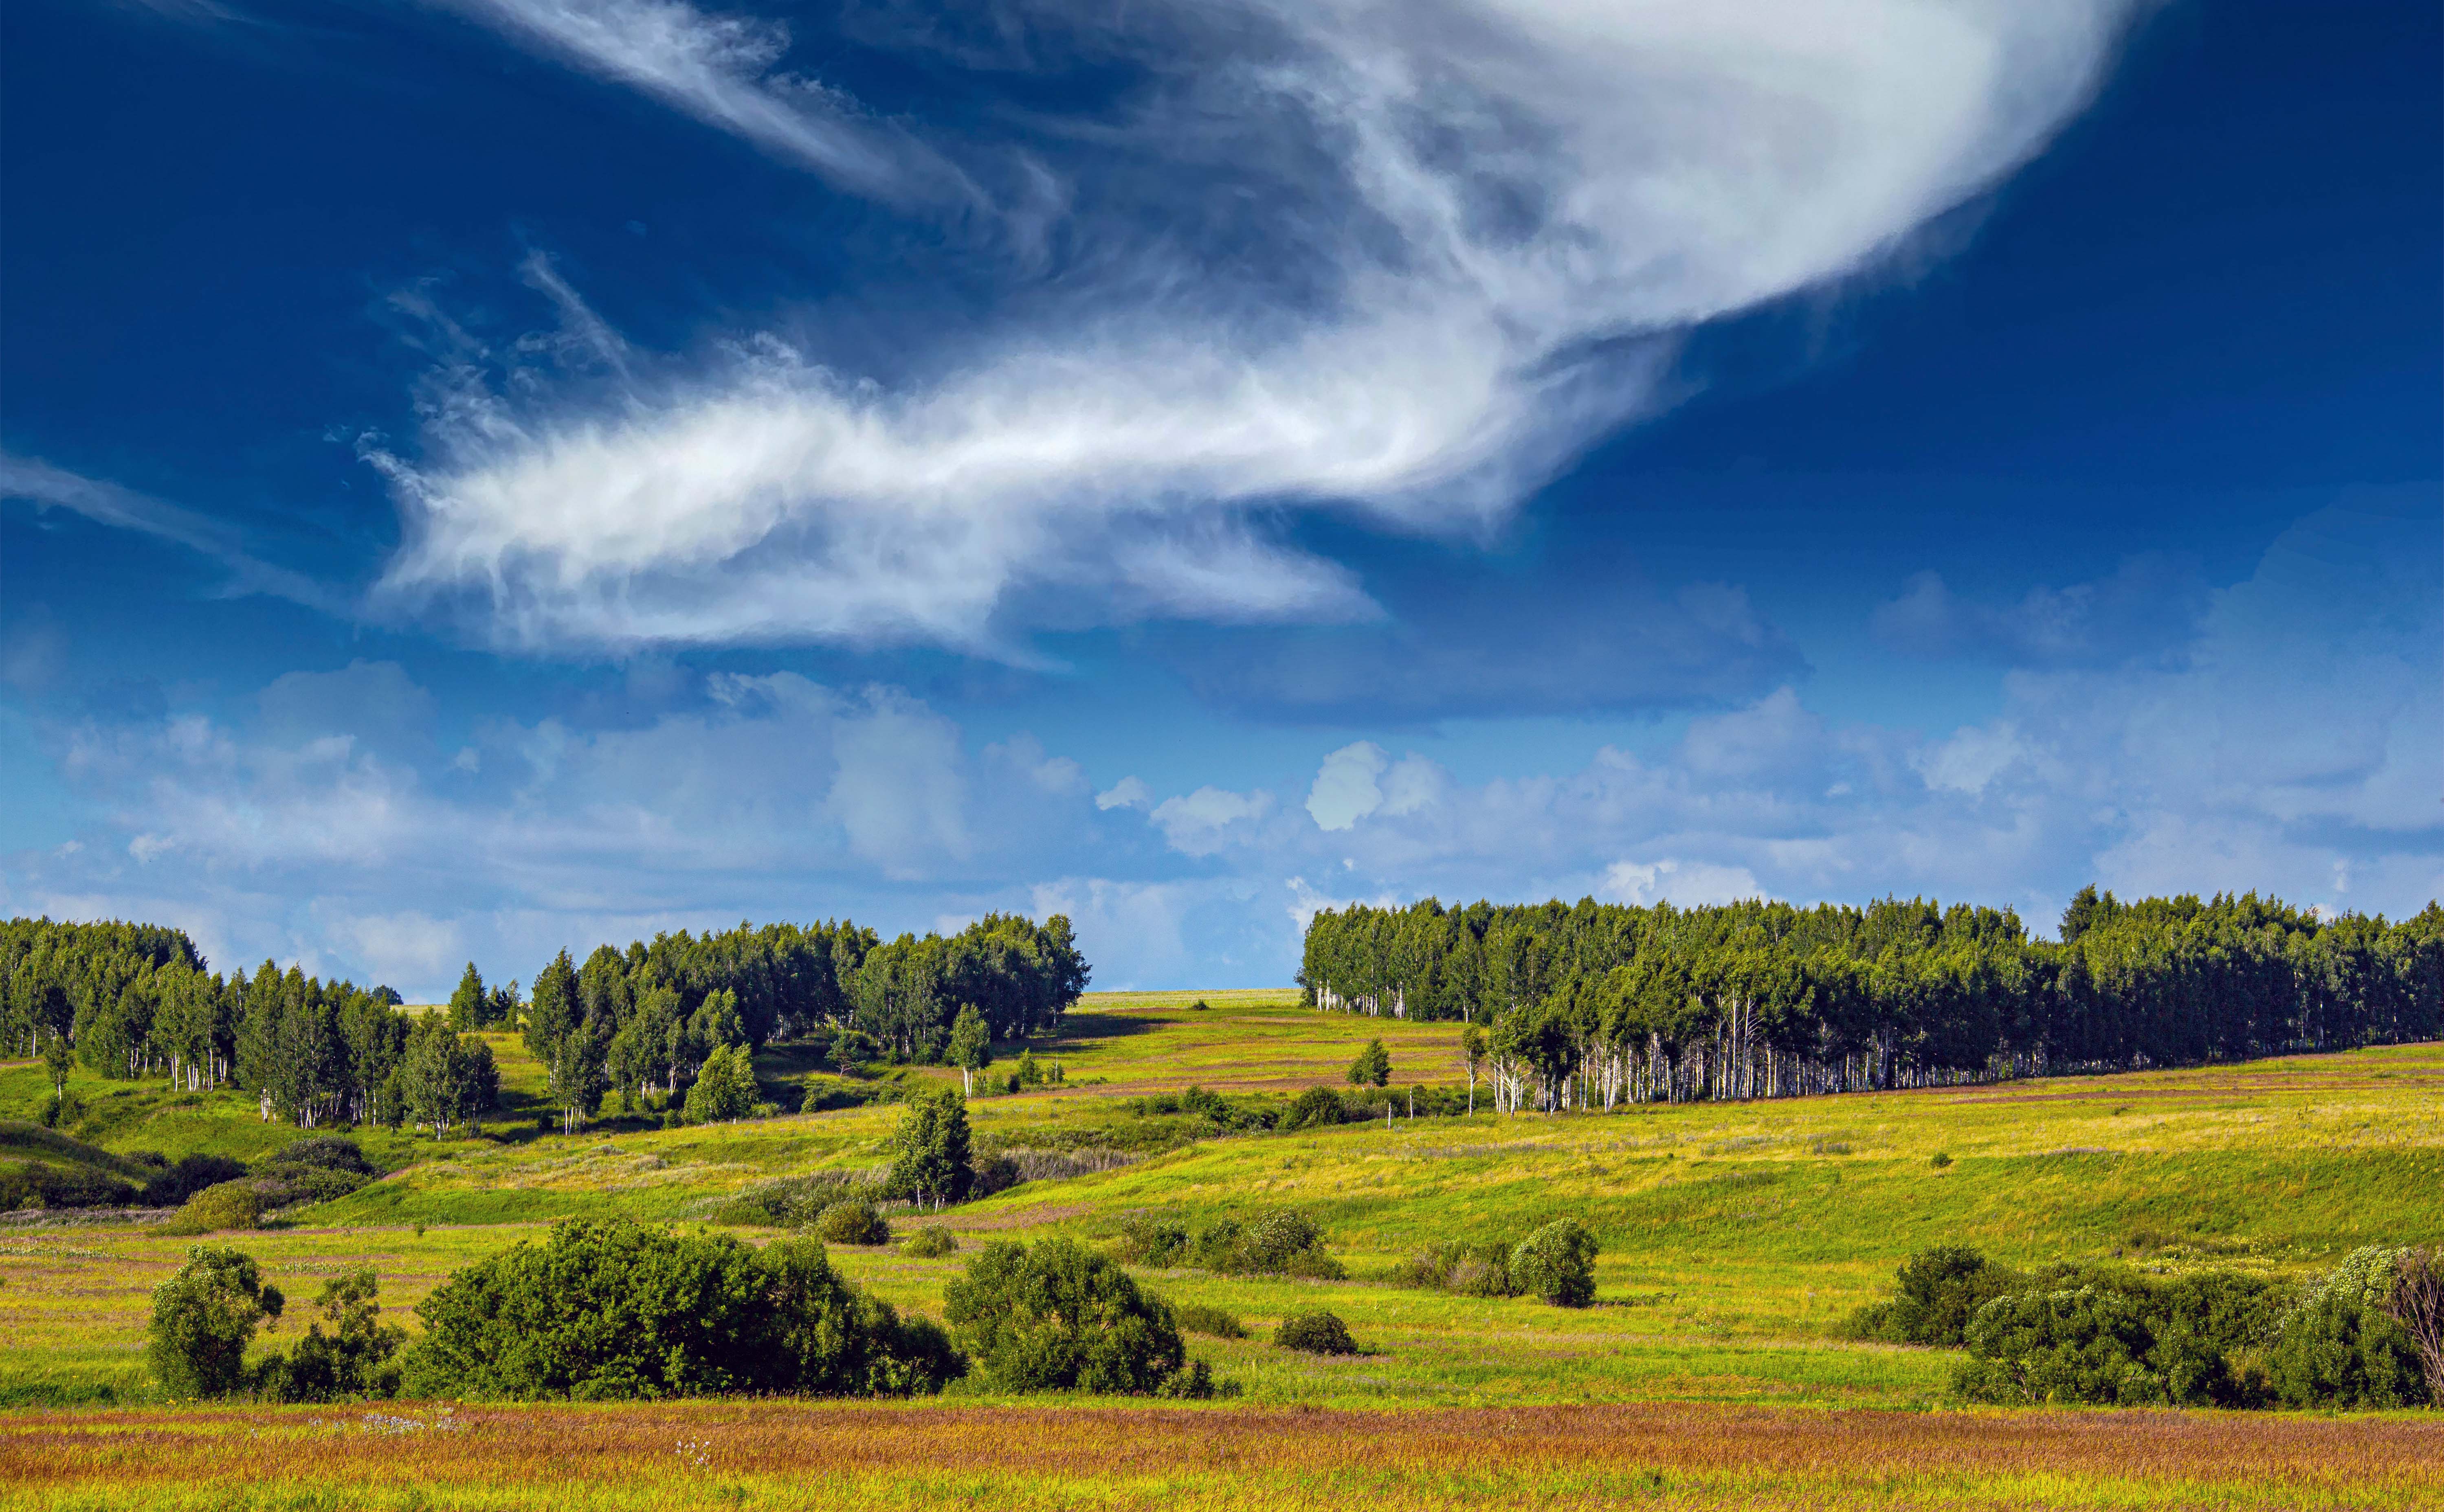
(1735, 1235)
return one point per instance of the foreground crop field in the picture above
(1735, 1237)
(784, 1455)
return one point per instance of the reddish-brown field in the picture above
(779, 1454)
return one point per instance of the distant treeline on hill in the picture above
(133, 1000)
(1594, 1004)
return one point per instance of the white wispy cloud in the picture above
(721, 70)
(109, 504)
(1471, 233)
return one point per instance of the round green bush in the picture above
(1315, 1333)
(1316, 1108)
(930, 1243)
(1057, 1317)
(853, 1222)
(229, 1204)
(1557, 1263)
(606, 1310)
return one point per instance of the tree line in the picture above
(139, 1001)
(1590, 1004)
(649, 1017)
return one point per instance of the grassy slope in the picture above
(1734, 1235)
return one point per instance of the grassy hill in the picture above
(1735, 1235)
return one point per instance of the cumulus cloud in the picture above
(1461, 239)
(1209, 819)
(1360, 780)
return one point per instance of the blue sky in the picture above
(492, 474)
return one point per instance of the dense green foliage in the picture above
(1270, 1241)
(648, 1018)
(1317, 1333)
(931, 1241)
(356, 1359)
(1594, 1004)
(1558, 1263)
(852, 1222)
(1464, 1267)
(612, 1309)
(1056, 1315)
(2109, 1336)
(724, 1087)
(1204, 1318)
(1937, 1292)
(203, 1319)
(1373, 1067)
(930, 1149)
(137, 1000)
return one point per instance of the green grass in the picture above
(1735, 1235)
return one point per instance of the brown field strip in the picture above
(783, 1454)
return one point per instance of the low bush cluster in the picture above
(1315, 1333)
(796, 1202)
(2353, 1339)
(930, 1243)
(1270, 1241)
(1556, 1262)
(854, 1221)
(614, 1310)
(204, 1317)
(1216, 1322)
(1058, 1317)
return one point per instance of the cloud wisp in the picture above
(109, 504)
(1458, 243)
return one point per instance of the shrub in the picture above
(203, 1317)
(282, 1186)
(794, 1202)
(724, 1089)
(2088, 1345)
(1557, 1263)
(1198, 1317)
(992, 1175)
(229, 1204)
(1149, 1240)
(1940, 1291)
(931, 1242)
(1058, 1317)
(930, 1149)
(1316, 1108)
(1373, 1067)
(355, 1359)
(853, 1222)
(1480, 1268)
(2109, 1336)
(323, 1151)
(189, 1176)
(35, 1183)
(1940, 1159)
(1272, 1241)
(2418, 1304)
(609, 1309)
(2341, 1346)
(1315, 1333)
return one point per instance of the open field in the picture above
(1735, 1236)
(786, 1455)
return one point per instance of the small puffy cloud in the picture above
(1969, 758)
(1208, 819)
(1345, 790)
(1688, 884)
(1360, 780)
(1129, 792)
